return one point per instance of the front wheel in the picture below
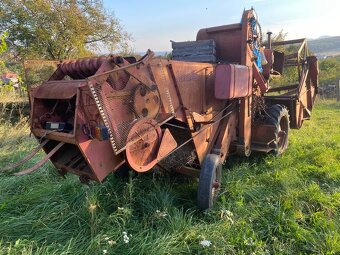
(209, 181)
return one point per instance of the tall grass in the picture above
(268, 205)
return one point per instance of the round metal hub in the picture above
(142, 145)
(146, 101)
(282, 138)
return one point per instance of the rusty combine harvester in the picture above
(95, 115)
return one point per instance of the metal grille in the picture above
(119, 108)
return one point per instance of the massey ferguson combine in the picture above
(186, 115)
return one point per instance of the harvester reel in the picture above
(142, 145)
(146, 101)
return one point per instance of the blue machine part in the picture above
(256, 47)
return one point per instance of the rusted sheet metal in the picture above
(58, 90)
(168, 144)
(228, 41)
(193, 79)
(289, 42)
(263, 133)
(227, 135)
(232, 81)
(144, 140)
(55, 136)
(161, 75)
(260, 80)
(41, 162)
(100, 157)
(244, 128)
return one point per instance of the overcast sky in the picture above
(153, 24)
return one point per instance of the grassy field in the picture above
(268, 205)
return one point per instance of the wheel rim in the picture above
(216, 183)
(209, 181)
(282, 134)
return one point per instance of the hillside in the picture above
(325, 46)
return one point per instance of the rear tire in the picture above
(209, 181)
(279, 117)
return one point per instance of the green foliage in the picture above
(3, 44)
(53, 29)
(329, 71)
(3, 48)
(268, 205)
(35, 76)
(329, 67)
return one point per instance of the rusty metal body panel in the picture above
(233, 81)
(228, 41)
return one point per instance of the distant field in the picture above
(268, 205)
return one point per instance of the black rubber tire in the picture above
(209, 181)
(279, 117)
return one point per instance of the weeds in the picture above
(268, 205)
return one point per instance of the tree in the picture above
(59, 29)
(3, 44)
(329, 71)
(3, 48)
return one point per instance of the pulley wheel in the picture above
(146, 101)
(142, 145)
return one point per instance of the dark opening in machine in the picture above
(55, 114)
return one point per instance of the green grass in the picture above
(268, 205)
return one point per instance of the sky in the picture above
(152, 24)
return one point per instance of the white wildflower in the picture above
(106, 238)
(161, 214)
(104, 251)
(111, 242)
(92, 207)
(126, 239)
(122, 210)
(228, 215)
(205, 243)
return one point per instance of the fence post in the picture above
(338, 91)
